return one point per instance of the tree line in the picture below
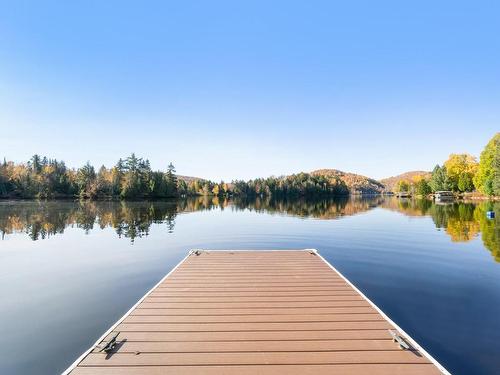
(132, 178)
(461, 173)
(297, 185)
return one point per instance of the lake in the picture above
(69, 270)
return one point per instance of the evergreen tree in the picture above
(135, 179)
(172, 184)
(158, 185)
(422, 187)
(439, 180)
(85, 178)
(35, 163)
(3, 179)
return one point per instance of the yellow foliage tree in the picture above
(461, 169)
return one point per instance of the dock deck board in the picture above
(255, 312)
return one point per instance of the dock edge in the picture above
(312, 251)
(384, 315)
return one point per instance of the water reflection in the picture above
(321, 209)
(41, 220)
(462, 221)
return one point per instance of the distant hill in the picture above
(356, 183)
(188, 179)
(391, 182)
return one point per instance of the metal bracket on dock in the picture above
(397, 338)
(196, 252)
(110, 345)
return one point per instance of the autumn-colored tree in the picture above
(465, 182)
(490, 232)
(104, 182)
(403, 186)
(461, 169)
(461, 224)
(194, 188)
(206, 188)
(487, 178)
(182, 188)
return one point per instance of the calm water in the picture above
(70, 270)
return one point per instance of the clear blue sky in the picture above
(245, 89)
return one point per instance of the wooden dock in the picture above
(255, 313)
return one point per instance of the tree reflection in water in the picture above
(462, 221)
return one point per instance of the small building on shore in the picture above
(403, 194)
(443, 195)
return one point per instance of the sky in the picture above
(244, 89)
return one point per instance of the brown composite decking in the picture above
(255, 313)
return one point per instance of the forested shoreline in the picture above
(132, 178)
(460, 173)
